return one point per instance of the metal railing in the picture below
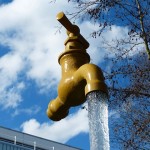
(24, 143)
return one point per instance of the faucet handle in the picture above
(61, 17)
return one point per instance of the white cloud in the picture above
(29, 31)
(10, 96)
(29, 111)
(116, 32)
(97, 49)
(10, 89)
(114, 114)
(58, 131)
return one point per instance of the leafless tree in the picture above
(134, 13)
(129, 78)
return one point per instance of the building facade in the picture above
(15, 140)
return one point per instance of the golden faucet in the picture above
(78, 76)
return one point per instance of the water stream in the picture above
(98, 120)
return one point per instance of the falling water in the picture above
(98, 120)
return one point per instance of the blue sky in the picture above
(30, 73)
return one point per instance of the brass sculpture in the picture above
(78, 76)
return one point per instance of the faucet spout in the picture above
(78, 76)
(73, 88)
